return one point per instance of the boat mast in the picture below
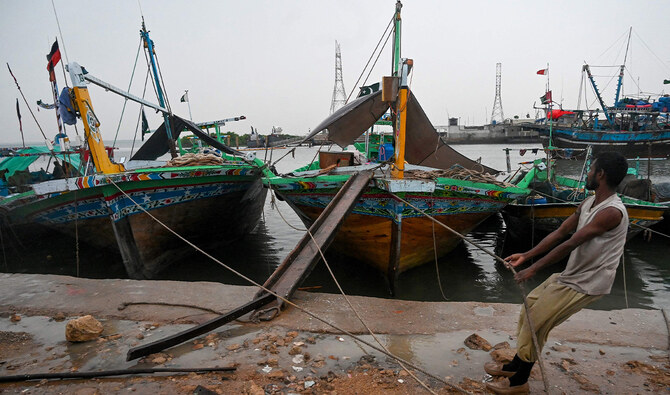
(397, 27)
(149, 45)
(401, 70)
(598, 95)
(91, 123)
(623, 65)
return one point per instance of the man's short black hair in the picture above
(615, 166)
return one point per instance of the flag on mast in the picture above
(184, 98)
(18, 114)
(145, 125)
(53, 57)
(666, 82)
(546, 98)
(543, 71)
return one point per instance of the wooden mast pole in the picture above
(400, 125)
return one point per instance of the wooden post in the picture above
(509, 166)
(129, 252)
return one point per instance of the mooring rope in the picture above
(437, 268)
(531, 325)
(272, 194)
(288, 302)
(360, 318)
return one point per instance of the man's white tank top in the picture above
(592, 266)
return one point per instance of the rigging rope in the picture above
(139, 117)
(162, 82)
(60, 32)
(288, 302)
(652, 52)
(53, 155)
(146, 58)
(125, 101)
(371, 55)
(377, 59)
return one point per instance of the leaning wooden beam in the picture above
(290, 274)
(160, 345)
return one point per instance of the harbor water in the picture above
(465, 274)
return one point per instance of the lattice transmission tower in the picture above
(497, 113)
(339, 95)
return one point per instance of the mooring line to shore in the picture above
(437, 268)
(667, 325)
(531, 325)
(272, 195)
(288, 302)
(346, 298)
(360, 318)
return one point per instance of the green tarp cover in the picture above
(16, 163)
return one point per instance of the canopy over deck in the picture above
(423, 145)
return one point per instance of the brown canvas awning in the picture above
(423, 145)
(352, 120)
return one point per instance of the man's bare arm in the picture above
(555, 237)
(605, 220)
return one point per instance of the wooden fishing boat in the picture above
(558, 199)
(384, 230)
(635, 126)
(138, 206)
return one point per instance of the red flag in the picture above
(555, 114)
(53, 57)
(543, 71)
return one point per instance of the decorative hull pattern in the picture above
(629, 144)
(204, 204)
(386, 232)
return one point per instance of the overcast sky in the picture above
(273, 61)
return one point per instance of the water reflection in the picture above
(466, 274)
(255, 256)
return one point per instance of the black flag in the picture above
(18, 114)
(145, 125)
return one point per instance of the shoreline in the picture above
(587, 351)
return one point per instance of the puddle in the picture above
(484, 311)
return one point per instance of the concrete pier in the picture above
(505, 133)
(622, 351)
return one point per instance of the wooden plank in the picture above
(300, 262)
(288, 276)
(162, 344)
